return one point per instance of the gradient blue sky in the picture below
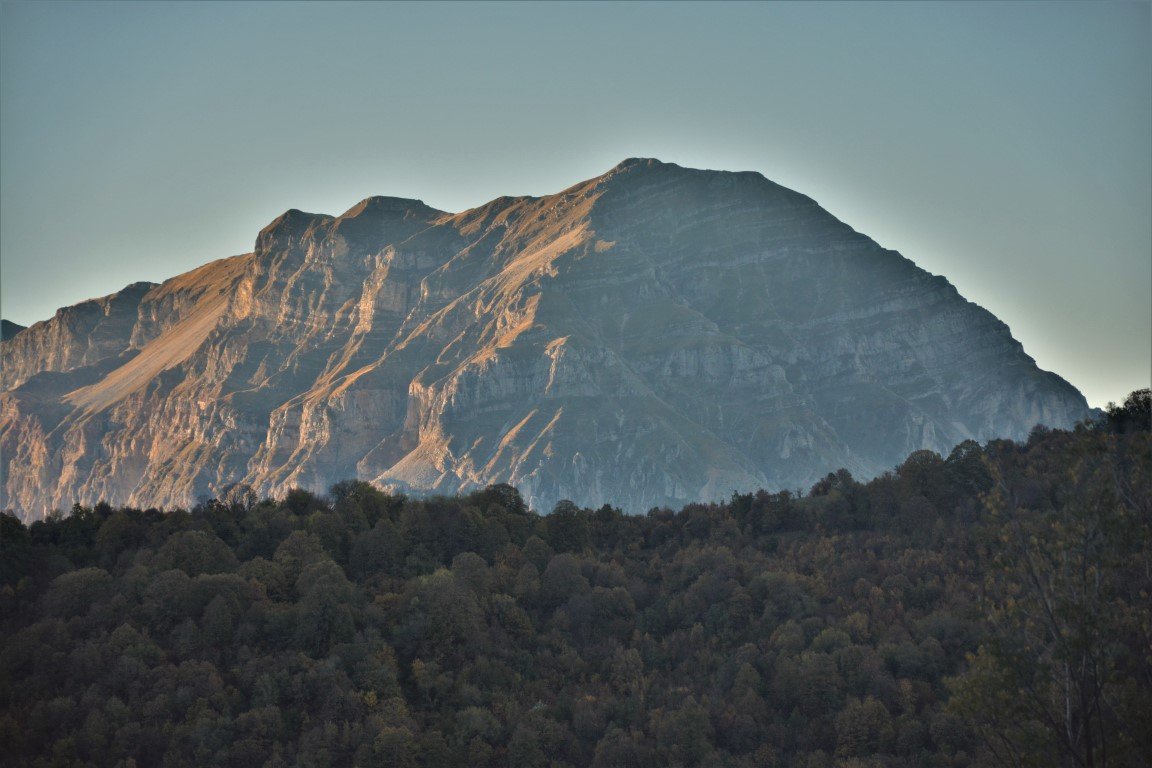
(1007, 146)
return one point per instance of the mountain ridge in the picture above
(9, 329)
(653, 335)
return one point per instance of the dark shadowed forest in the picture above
(990, 607)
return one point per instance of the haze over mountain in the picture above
(654, 335)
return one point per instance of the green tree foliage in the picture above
(988, 607)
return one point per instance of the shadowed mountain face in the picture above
(8, 329)
(652, 336)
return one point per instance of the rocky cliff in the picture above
(651, 336)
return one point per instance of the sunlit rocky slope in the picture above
(650, 336)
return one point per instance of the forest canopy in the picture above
(985, 608)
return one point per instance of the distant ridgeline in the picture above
(8, 329)
(653, 336)
(965, 611)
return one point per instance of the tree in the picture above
(361, 502)
(194, 552)
(239, 498)
(73, 594)
(297, 552)
(325, 609)
(1065, 675)
(863, 728)
(505, 496)
(684, 735)
(562, 579)
(1134, 415)
(618, 750)
(444, 621)
(378, 550)
(395, 747)
(568, 527)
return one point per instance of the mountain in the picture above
(8, 329)
(651, 336)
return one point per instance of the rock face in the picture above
(651, 336)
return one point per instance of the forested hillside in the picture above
(990, 607)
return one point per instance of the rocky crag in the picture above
(651, 336)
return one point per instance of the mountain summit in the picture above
(8, 329)
(655, 335)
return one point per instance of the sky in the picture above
(1006, 146)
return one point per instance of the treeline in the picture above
(989, 607)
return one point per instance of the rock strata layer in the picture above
(652, 336)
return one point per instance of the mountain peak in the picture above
(288, 226)
(8, 329)
(648, 337)
(377, 204)
(140, 286)
(643, 162)
(632, 165)
(294, 219)
(653, 164)
(638, 168)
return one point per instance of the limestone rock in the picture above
(652, 336)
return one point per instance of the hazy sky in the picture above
(1006, 146)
